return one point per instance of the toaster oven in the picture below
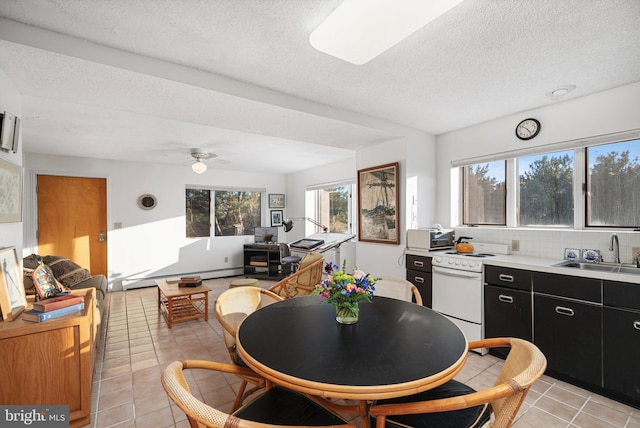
(430, 239)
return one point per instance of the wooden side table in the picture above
(182, 303)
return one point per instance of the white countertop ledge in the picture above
(541, 264)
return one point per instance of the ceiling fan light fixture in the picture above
(199, 167)
(359, 30)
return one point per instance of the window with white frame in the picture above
(334, 206)
(235, 212)
(613, 184)
(546, 189)
(485, 192)
(553, 190)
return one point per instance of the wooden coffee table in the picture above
(182, 303)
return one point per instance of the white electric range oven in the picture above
(458, 291)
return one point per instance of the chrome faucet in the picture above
(614, 246)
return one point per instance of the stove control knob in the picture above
(450, 261)
(438, 259)
(464, 263)
(472, 264)
(457, 262)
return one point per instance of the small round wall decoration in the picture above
(147, 201)
(527, 129)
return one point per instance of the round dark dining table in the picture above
(396, 348)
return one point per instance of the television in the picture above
(266, 235)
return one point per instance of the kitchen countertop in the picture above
(541, 264)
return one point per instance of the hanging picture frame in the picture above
(13, 299)
(276, 218)
(378, 204)
(276, 200)
(11, 191)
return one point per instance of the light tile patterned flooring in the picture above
(137, 344)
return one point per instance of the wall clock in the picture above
(147, 201)
(527, 129)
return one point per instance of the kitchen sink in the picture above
(601, 267)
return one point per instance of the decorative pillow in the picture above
(29, 263)
(66, 271)
(46, 284)
(27, 281)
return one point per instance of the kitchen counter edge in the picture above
(541, 264)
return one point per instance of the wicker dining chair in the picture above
(231, 308)
(397, 288)
(454, 404)
(304, 280)
(274, 407)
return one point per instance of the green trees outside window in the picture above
(546, 187)
(235, 212)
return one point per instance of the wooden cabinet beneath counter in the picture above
(419, 274)
(51, 362)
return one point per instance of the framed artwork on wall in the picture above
(378, 204)
(276, 218)
(13, 298)
(276, 200)
(10, 192)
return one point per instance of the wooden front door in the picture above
(72, 220)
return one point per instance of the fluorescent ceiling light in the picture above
(359, 30)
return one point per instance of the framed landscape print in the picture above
(378, 201)
(10, 192)
(276, 218)
(13, 299)
(276, 200)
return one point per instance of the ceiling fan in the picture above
(199, 166)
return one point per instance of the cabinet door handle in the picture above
(564, 311)
(636, 325)
(418, 263)
(419, 279)
(505, 278)
(505, 299)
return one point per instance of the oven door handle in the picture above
(458, 273)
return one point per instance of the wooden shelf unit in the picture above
(268, 255)
(51, 362)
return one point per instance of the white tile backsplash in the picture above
(550, 243)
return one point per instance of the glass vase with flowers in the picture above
(344, 291)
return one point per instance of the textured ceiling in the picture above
(148, 80)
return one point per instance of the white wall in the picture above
(152, 243)
(603, 113)
(11, 101)
(415, 154)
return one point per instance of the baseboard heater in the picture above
(150, 281)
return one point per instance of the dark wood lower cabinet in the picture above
(569, 333)
(621, 351)
(422, 281)
(507, 314)
(419, 274)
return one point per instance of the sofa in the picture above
(70, 275)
